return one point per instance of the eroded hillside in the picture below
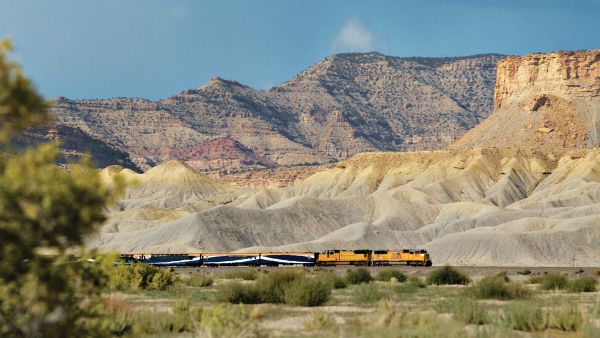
(481, 207)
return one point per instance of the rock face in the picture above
(543, 101)
(74, 144)
(343, 105)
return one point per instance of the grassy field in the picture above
(295, 302)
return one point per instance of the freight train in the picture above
(325, 258)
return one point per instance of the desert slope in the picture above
(480, 207)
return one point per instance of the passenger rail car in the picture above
(325, 258)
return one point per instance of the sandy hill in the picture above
(482, 207)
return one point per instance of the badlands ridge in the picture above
(531, 199)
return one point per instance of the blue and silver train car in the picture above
(288, 258)
(165, 259)
(231, 259)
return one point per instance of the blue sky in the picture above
(156, 48)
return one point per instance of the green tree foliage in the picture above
(45, 213)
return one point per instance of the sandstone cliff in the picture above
(343, 105)
(543, 101)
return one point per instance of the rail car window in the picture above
(358, 252)
(380, 252)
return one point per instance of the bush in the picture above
(524, 272)
(162, 280)
(333, 279)
(523, 317)
(320, 321)
(153, 323)
(358, 276)
(199, 281)
(502, 275)
(554, 282)
(582, 284)
(242, 273)
(181, 306)
(535, 280)
(387, 275)
(227, 321)
(272, 287)
(415, 281)
(307, 292)
(236, 293)
(411, 285)
(566, 317)
(447, 275)
(140, 277)
(366, 293)
(597, 273)
(496, 287)
(464, 310)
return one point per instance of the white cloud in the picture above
(354, 37)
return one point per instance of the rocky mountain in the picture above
(343, 105)
(543, 101)
(75, 144)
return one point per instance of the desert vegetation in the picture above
(290, 302)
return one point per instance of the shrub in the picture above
(358, 276)
(181, 306)
(237, 293)
(464, 310)
(566, 317)
(333, 279)
(155, 323)
(502, 275)
(140, 277)
(307, 292)
(227, 321)
(387, 275)
(518, 291)
(242, 273)
(523, 317)
(272, 287)
(597, 273)
(366, 293)
(162, 280)
(320, 321)
(411, 285)
(535, 280)
(199, 281)
(524, 272)
(495, 286)
(447, 275)
(554, 282)
(415, 281)
(582, 284)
